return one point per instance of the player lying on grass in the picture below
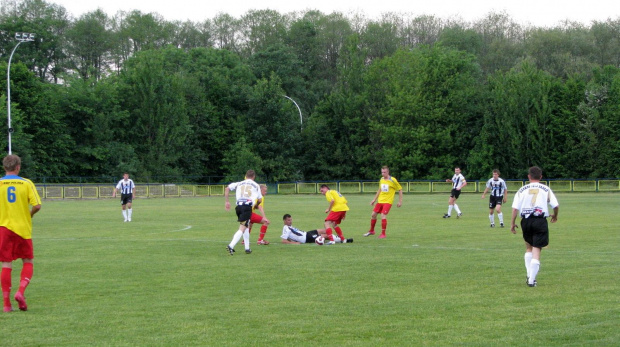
(292, 235)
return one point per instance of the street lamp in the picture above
(301, 124)
(20, 37)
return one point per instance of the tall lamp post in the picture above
(301, 124)
(20, 37)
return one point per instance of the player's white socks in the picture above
(492, 218)
(534, 267)
(236, 238)
(456, 207)
(337, 239)
(129, 211)
(125, 214)
(246, 239)
(528, 259)
(450, 209)
(501, 217)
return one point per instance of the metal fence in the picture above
(171, 190)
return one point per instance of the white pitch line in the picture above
(187, 227)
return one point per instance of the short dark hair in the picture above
(286, 216)
(250, 174)
(324, 186)
(496, 170)
(10, 162)
(535, 172)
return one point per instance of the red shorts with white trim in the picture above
(13, 246)
(336, 217)
(382, 208)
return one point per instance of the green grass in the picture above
(99, 281)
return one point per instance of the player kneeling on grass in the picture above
(292, 235)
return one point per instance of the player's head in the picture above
(263, 189)
(12, 163)
(495, 173)
(324, 189)
(457, 170)
(126, 175)
(287, 219)
(250, 175)
(385, 171)
(534, 173)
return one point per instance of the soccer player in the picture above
(388, 186)
(458, 182)
(258, 219)
(499, 195)
(337, 211)
(19, 202)
(292, 235)
(531, 202)
(247, 193)
(128, 193)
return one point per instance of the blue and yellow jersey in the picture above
(17, 194)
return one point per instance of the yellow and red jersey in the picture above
(340, 203)
(17, 194)
(388, 188)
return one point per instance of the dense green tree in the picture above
(89, 43)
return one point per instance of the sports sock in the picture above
(383, 226)
(246, 239)
(492, 218)
(25, 277)
(450, 207)
(456, 207)
(337, 239)
(339, 232)
(236, 238)
(125, 214)
(528, 259)
(263, 231)
(5, 278)
(501, 217)
(534, 267)
(329, 233)
(373, 222)
(129, 212)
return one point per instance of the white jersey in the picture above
(247, 192)
(497, 187)
(125, 186)
(532, 199)
(458, 181)
(293, 234)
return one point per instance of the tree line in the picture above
(99, 95)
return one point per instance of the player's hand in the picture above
(554, 219)
(513, 228)
(400, 203)
(482, 197)
(372, 203)
(227, 205)
(327, 211)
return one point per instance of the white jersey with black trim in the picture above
(532, 199)
(293, 234)
(458, 181)
(125, 186)
(247, 192)
(497, 187)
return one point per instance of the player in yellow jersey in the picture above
(337, 211)
(17, 195)
(388, 186)
(257, 218)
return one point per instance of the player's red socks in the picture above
(329, 233)
(263, 231)
(339, 232)
(373, 222)
(25, 277)
(5, 279)
(383, 226)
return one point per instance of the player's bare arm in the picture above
(227, 204)
(554, 217)
(513, 225)
(400, 198)
(289, 242)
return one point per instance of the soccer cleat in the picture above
(262, 242)
(231, 251)
(446, 216)
(532, 284)
(19, 297)
(125, 220)
(330, 243)
(492, 225)
(129, 219)
(8, 309)
(459, 215)
(347, 241)
(248, 251)
(382, 236)
(501, 225)
(369, 233)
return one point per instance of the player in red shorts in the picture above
(388, 186)
(258, 219)
(337, 210)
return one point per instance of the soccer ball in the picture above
(320, 240)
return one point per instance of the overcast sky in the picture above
(536, 12)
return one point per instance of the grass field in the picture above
(166, 279)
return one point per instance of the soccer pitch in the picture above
(165, 279)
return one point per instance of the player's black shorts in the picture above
(535, 231)
(311, 236)
(495, 200)
(244, 214)
(126, 198)
(455, 193)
